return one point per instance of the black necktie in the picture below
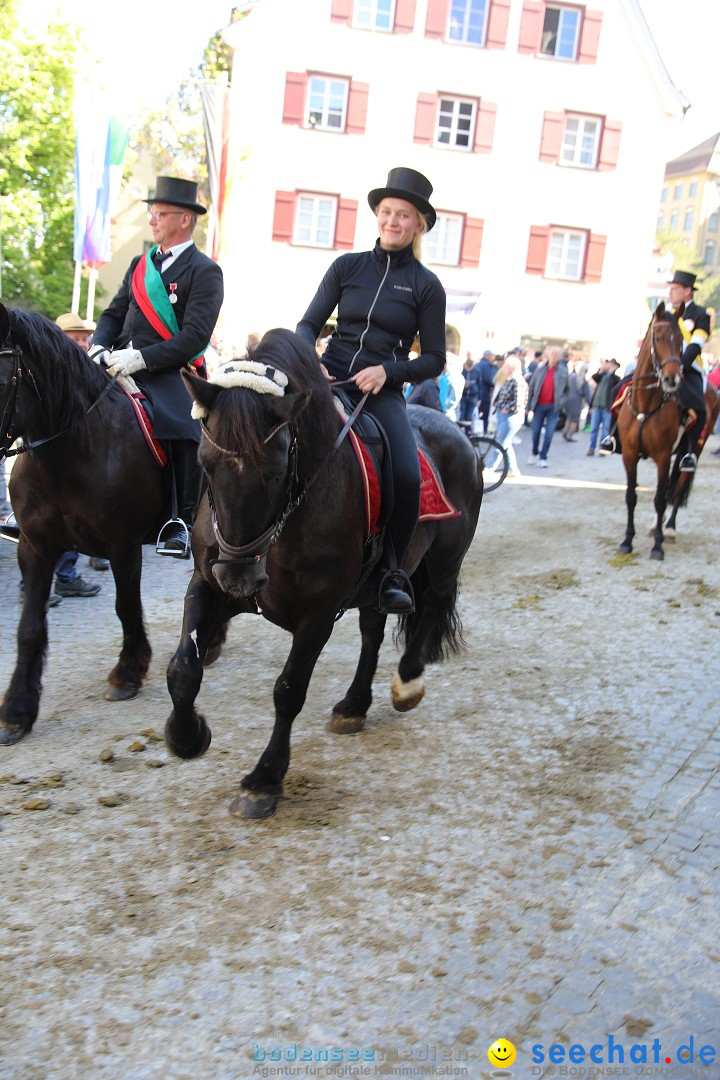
(160, 256)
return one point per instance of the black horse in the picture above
(282, 532)
(88, 482)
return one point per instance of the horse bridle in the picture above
(256, 550)
(657, 364)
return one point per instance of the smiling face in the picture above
(501, 1053)
(399, 222)
(169, 224)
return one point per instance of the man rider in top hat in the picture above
(159, 322)
(695, 327)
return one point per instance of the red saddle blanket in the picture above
(434, 503)
(146, 427)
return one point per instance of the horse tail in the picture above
(674, 484)
(443, 636)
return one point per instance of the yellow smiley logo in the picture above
(501, 1053)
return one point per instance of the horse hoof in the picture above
(121, 693)
(188, 748)
(345, 725)
(625, 549)
(406, 695)
(253, 805)
(669, 536)
(657, 554)
(11, 733)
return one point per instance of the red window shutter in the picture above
(537, 249)
(552, 135)
(404, 16)
(295, 93)
(485, 127)
(425, 118)
(610, 145)
(589, 37)
(531, 24)
(471, 241)
(498, 24)
(437, 17)
(341, 11)
(345, 223)
(594, 257)
(357, 108)
(284, 217)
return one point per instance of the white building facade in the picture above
(540, 125)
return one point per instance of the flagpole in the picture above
(75, 305)
(91, 295)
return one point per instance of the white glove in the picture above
(99, 354)
(125, 362)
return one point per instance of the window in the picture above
(688, 219)
(663, 196)
(467, 21)
(713, 222)
(580, 141)
(442, 245)
(326, 103)
(661, 221)
(693, 188)
(674, 219)
(677, 193)
(455, 123)
(315, 221)
(560, 32)
(709, 256)
(375, 14)
(566, 254)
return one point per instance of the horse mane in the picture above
(241, 414)
(67, 381)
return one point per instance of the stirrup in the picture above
(174, 539)
(10, 530)
(688, 463)
(607, 445)
(400, 579)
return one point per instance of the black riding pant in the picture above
(692, 396)
(187, 475)
(389, 408)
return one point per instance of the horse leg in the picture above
(262, 787)
(205, 614)
(127, 676)
(21, 702)
(630, 463)
(349, 714)
(663, 470)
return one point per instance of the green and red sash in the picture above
(152, 299)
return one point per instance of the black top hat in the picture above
(409, 185)
(174, 192)
(684, 278)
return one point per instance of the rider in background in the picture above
(695, 326)
(384, 299)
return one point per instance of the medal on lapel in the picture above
(173, 292)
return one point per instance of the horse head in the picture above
(666, 343)
(249, 454)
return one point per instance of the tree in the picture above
(37, 149)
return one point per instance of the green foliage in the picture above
(37, 152)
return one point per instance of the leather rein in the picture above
(256, 550)
(7, 420)
(653, 379)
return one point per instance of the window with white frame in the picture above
(674, 219)
(455, 123)
(442, 245)
(687, 224)
(561, 31)
(713, 222)
(663, 195)
(677, 193)
(467, 21)
(709, 257)
(315, 220)
(566, 254)
(693, 189)
(327, 103)
(375, 14)
(581, 141)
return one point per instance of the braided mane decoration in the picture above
(248, 373)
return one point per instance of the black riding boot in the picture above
(187, 475)
(395, 595)
(688, 462)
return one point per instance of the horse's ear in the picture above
(289, 406)
(660, 310)
(201, 391)
(4, 323)
(680, 311)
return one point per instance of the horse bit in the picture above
(656, 378)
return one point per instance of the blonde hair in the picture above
(510, 369)
(418, 237)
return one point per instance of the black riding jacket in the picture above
(383, 299)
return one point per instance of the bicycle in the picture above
(485, 447)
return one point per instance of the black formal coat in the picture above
(122, 325)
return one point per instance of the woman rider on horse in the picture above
(384, 299)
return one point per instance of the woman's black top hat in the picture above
(174, 192)
(684, 278)
(409, 185)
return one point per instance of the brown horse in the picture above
(649, 418)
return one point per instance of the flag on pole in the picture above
(215, 94)
(100, 145)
